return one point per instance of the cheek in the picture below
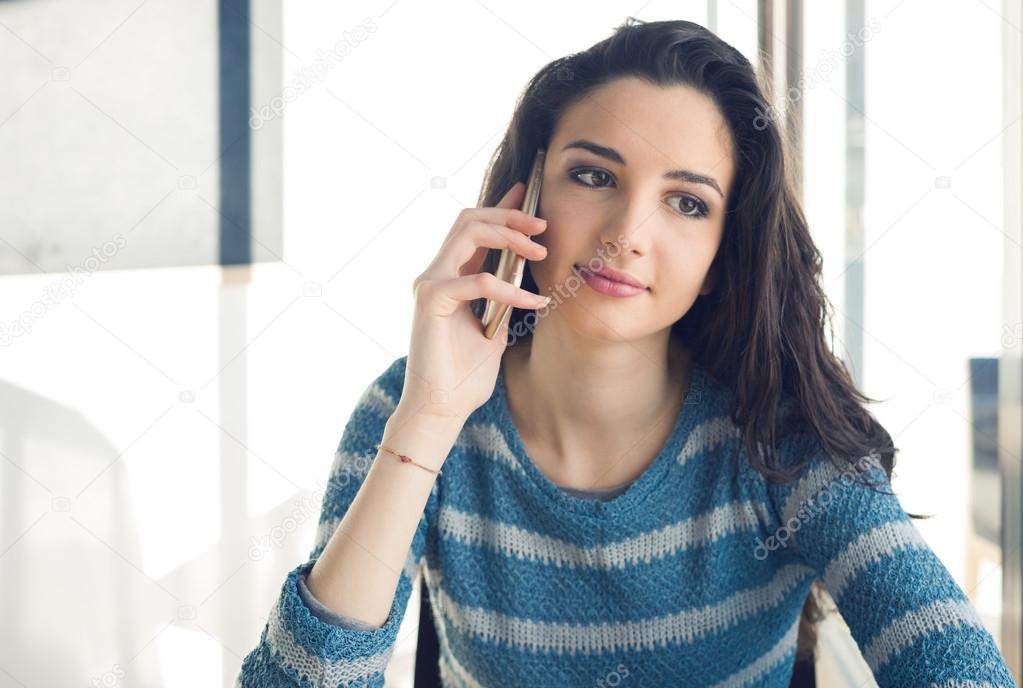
(572, 227)
(682, 266)
(564, 236)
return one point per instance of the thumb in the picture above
(500, 340)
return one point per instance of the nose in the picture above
(625, 231)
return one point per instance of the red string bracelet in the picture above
(407, 459)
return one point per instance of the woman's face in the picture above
(607, 178)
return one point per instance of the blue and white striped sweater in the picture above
(687, 578)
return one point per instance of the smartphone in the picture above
(511, 265)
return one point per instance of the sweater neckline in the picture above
(693, 402)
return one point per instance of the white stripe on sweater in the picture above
(868, 548)
(752, 672)
(511, 540)
(904, 631)
(488, 440)
(819, 477)
(824, 475)
(680, 627)
(377, 398)
(709, 435)
(317, 670)
(451, 670)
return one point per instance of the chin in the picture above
(606, 328)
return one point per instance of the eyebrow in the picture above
(614, 156)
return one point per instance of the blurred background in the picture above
(211, 214)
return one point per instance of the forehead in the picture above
(653, 127)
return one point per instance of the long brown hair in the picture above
(761, 330)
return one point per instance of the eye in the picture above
(697, 205)
(691, 206)
(576, 174)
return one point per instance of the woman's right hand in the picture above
(452, 366)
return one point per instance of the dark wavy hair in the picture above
(761, 330)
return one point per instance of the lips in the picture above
(613, 275)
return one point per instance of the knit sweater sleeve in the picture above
(303, 645)
(913, 623)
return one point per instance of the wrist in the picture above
(426, 439)
(431, 421)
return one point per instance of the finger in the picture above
(469, 259)
(486, 285)
(465, 254)
(502, 333)
(508, 211)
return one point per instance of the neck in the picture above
(595, 417)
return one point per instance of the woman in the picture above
(646, 481)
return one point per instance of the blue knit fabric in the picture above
(694, 575)
(326, 614)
